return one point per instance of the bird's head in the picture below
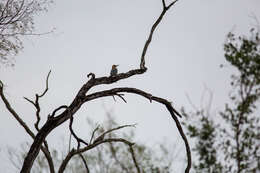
(114, 66)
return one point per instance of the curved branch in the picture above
(85, 163)
(27, 129)
(101, 137)
(57, 109)
(79, 140)
(47, 85)
(149, 96)
(36, 102)
(80, 98)
(167, 104)
(148, 41)
(91, 145)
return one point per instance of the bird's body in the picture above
(114, 70)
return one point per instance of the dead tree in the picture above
(83, 97)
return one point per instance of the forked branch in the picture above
(36, 102)
(81, 98)
(44, 149)
(98, 141)
(79, 140)
(148, 41)
(151, 98)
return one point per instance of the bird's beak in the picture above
(117, 65)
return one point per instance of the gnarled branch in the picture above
(167, 104)
(45, 149)
(81, 98)
(36, 102)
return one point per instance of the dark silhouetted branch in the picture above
(36, 102)
(45, 149)
(148, 41)
(57, 109)
(85, 163)
(99, 140)
(82, 98)
(79, 140)
(149, 96)
(167, 104)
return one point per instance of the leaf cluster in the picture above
(17, 20)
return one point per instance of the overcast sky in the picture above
(183, 59)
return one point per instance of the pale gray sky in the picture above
(90, 36)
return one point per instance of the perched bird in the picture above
(114, 70)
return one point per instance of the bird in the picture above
(114, 70)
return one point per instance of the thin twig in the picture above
(85, 163)
(81, 98)
(101, 137)
(121, 96)
(36, 103)
(114, 155)
(45, 149)
(134, 158)
(93, 133)
(89, 147)
(47, 85)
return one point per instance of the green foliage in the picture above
(203, 130)
(244, 54)
(242, 125)
(232, 146)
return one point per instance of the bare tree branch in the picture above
(113, 152)
(171, 4)
(93, 133)
(134, 158)
(54, 122)
(79, 140)
(13, 112)
(82, 98)
(89, 147)
(84, 161)
(149, 96)
(101, 137)
(97, 141)
(163, 2)
(57, 109)
(36, 103)
(47, 85)
(167, 104)
(148, 41)
(45, 149)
